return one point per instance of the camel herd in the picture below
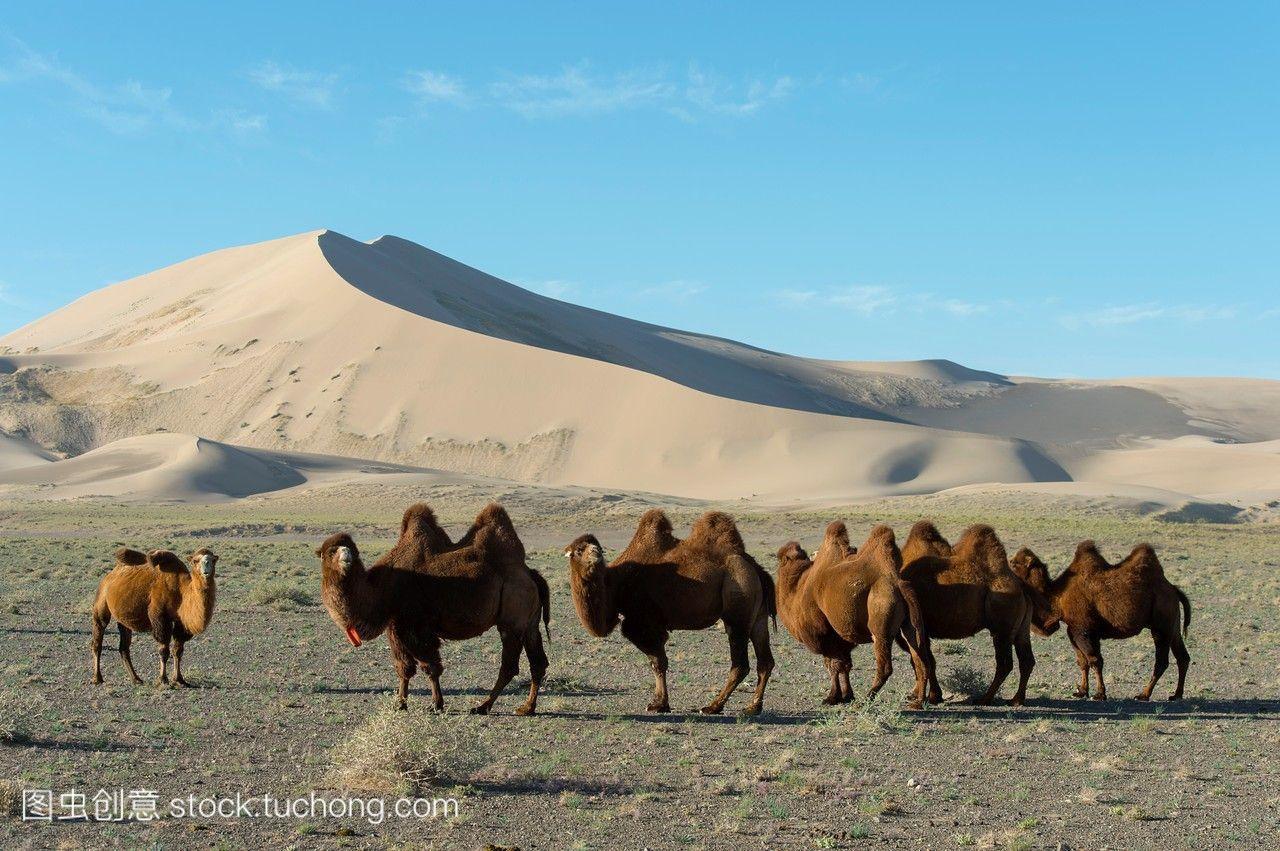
(428, 588)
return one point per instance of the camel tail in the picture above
(1186, 610)
(914, 613)
(544, 596)
(770, 594)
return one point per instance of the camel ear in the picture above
(320, 551)
(568, 553)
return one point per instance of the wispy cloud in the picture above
(869, 299)
(710, 93)
(553, 289)
(673, 291)
(433, 87)
(576, 91)
(125, 108)
(314, 89)
(1129, 314)
(7, 298)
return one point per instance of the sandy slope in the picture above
(387, 350)
(17, 452)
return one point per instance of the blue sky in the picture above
(1082, 189)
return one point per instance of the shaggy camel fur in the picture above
(832, 607)
(971, 590)
(924, 539)
(427, 588)
(660, 583)
(155, 593)
(1099, 600)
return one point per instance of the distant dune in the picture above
(320, 344)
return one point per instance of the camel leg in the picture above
(1161, 664)
(406, 665)
(95, 643)
(1004, 664)
(1026, 662)
(764, 665)
(651, 641)
(126, 638)
(1183, 659)
(833, 694)
(739, 664)
(1082, 662)
(163, 679)
(1092, 649)
(177, 663)
(537, 657)
(883, 646)
(922, 663)
(842, 669)
(512, 644)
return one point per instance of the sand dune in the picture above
(387, 350)
(17, 452)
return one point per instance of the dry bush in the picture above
(398, 751)
(966, 680)
(281, 596)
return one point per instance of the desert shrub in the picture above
(398, 751)
(965, 679)
(280, 596)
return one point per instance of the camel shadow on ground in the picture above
(1117, 709)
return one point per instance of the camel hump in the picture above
(980, 545)
(881, 544)
(133, 558)
(418, 519)
(925, 539)
(653, 535)
(1088, 556)
(717, 530)
(494, 514)
(165, 560)
(1144, 555)
(837, 532)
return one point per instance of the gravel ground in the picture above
(285, 707)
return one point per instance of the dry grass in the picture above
(401, 751)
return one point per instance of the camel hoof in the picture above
(1174, 697)
(97, 681)
(832, 700)
(711, 709)
(915, 705)
(482, 709)
(935, 698)
(753, 710)
(183, 684)
(657, 707)
(1079, 693)
(1017, 701)
(1143, 697)
(525, 709)
(402, 706)
(137, 681)
(1102, 696)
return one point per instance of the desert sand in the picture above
(172, 385)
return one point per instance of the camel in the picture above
(971, 590)
(156, 593)
(924, 539)
(833, 606)
(660, 583)
(1098, 600)
(428, 588)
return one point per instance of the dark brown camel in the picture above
(833, 606)
(1098, 600)
(971, 590)
(660, 583)
(428, 588)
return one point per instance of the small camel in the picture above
(660, 583)
(156, 593)
(833, 606)
(968, 591)
(427, 588)
(1098, 600)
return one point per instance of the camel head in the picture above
(203, 561)
(1035, 577)
(792, 556)
(586, 557)
(344, 582)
